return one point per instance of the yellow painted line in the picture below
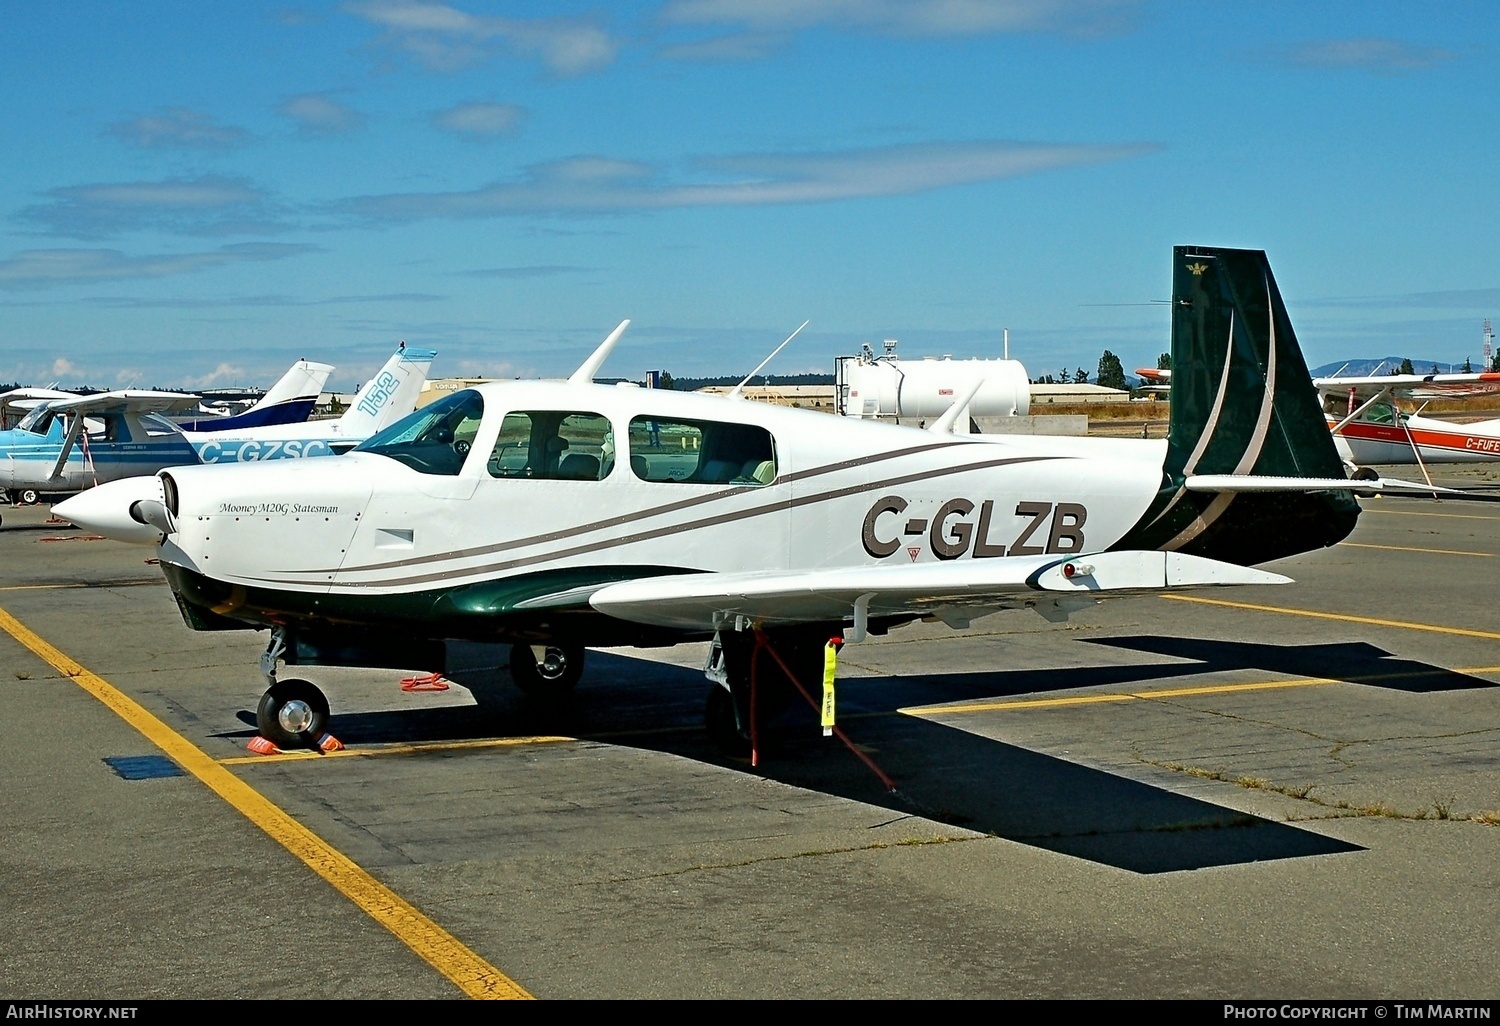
(412, 749)
(1146, 696)
(1404, 624)
(1411, 548)
(52, 587)
(1412, 513)
(444, 952)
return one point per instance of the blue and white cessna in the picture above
(67, 445)
(559, 515)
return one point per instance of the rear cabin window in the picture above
(436, 438)
(701, 452)
(554, 445)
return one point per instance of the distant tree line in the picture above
(693, 384)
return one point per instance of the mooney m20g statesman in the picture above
(558, 515)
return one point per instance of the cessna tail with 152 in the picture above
(555, 516)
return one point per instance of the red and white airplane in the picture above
(1370, 429)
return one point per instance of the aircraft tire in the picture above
(562, 670)
(721, 724)
(29, 496)
(803, 653)
(290, 704)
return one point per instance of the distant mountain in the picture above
(1385, 365)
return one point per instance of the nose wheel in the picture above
(546, 671)
(293, 714)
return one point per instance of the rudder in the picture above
(1242, 403)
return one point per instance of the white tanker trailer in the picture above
(888, 387)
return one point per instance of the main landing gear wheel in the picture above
(29, 496)
(292, 714)
(546, 671)
(726, 713)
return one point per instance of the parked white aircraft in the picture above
(1369, 427)
(559, 515)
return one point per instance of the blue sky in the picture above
(198, 194)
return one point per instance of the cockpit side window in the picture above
(1380, 413)
(38, 421)
(701, 452)
(436, 438)
(555, 445)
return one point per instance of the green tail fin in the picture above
(1242, 399)
(1242, 403)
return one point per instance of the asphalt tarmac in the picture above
(1284, 792)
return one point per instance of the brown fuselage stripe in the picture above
(625, 518)
(724, 518)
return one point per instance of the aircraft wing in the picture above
(129, 400)
(1417, 386)
(952, 591)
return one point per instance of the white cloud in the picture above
(444, 38)
(1384, 56)
(908, 17)
(178, 126)
(61, 367)
(737, 46)
(599, 185)
(222, 373)
(45, 268)
(480, 120)
(207, 205)
(315, 113)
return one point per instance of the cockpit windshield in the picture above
(38, 421)
(436, 438)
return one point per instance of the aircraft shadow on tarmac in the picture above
(941, 772)
(1355, 662)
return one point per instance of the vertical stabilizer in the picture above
(388, 396)
(1242, 403)
(289, 401)
(1242, 398)
(303, 381)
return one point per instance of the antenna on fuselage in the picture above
(584, 375)
(734, 393)
(944, 424)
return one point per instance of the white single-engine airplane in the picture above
(1369, 426)
(555, 516)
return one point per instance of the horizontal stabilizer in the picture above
(703, 601)
(1360, 486)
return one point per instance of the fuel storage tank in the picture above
(889, 387)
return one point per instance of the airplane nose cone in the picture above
(106, 509)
